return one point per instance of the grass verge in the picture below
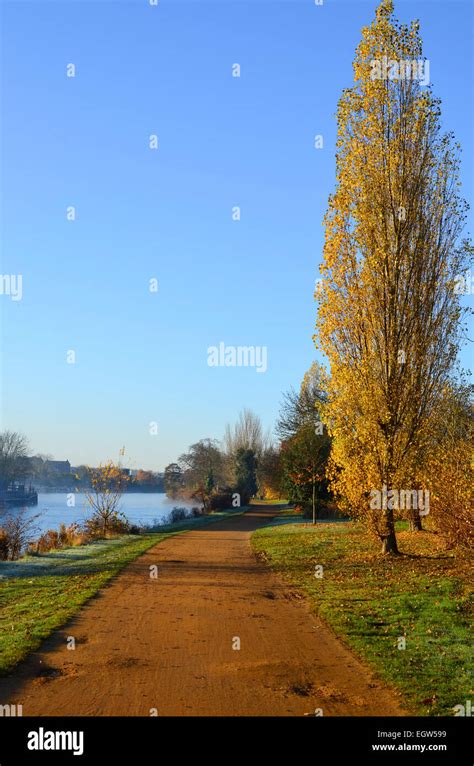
(39, 594)
(371, 602)
(274, 501)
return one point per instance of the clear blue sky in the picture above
(223, 141)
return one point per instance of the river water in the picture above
(138, 507)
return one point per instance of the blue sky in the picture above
(141, 357)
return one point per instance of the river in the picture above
(138, 507)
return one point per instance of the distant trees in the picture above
(246, 474)
(213, 474)
(203, 459)
(146, 481)
(270, 474)
(145, 477)
(205, 489)
(203, 492)
(305, 444)
(13, 453)
(389, 313)
(173, 479)
(81, 474)
(304, 459)
(199, 473)
(303, 408)
(247, 433)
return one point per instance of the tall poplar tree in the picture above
(389, 316)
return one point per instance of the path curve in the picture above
(168, 644)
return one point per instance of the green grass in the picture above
(39, 594)
(280, 501)
(371, 600)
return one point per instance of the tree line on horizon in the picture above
(17, 465)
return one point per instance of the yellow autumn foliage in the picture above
(388, 316)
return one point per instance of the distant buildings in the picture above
(59, 476)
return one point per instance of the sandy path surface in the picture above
(168, 643)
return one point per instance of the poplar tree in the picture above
(389, 315)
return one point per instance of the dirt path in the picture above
(168, 643)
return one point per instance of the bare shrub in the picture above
(107, 484)
(17, 532)
(115, 524)
(3, 545)
(52, 539)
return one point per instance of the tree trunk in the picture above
(389, 543)
(414, 523)
(314, 503)
(388, 536)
